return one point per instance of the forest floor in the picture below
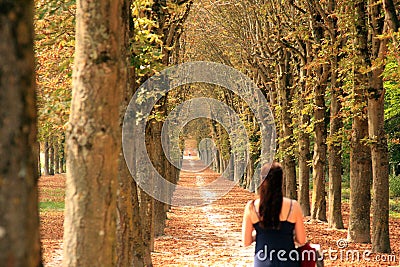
(211, 235)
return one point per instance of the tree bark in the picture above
(94, 136)
(391, 15)
(380, 172)
(52, 158)
(38, 160)
(56, 158)
(19, 213)
(377, 137)
(360, 154)
(154, 149)
(304, 149)
(61, 161)
(147, 225)
(304, 168)
(46, 158)
(285, 96)
(335, 163)
(130, 245)
(335, 219)
(319, 158)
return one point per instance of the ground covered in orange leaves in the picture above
(209, 235)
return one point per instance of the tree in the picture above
(321, 74)
(377, 134)
(360, 154)
(94, 135)
(19, 214)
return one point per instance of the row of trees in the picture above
(323, 67)
(108, 219)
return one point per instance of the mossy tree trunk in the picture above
(94, 135)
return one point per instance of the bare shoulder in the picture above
(249, 205)
(297, 208)
(287, 200)
(295, 204)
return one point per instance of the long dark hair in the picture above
(271, 195)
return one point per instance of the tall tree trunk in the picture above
(38, 160)
(19, 214)
(154, 148)
(304, 149)
(52, 158)
(304, 168)
(335, 219)
(61, 159)
(130, 245)
(94, 136)
(56, 158)
(391, 15)
(147, 225)
(380, 171)
(360, 154)
(319, 158)
(335, 164)
(377, 136)
(285, 96)
(46, 158)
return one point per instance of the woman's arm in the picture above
(247, 226)
(300, 232)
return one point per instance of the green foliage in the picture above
(394, 185)
(147, 43)
(392, 108)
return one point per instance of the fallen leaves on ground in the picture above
(210, 235)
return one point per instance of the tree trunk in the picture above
(38, 160)
(56, 158)
(19, 214)
(130, 245)
(360, 154)
(304, 138)
(360, 182)
(147, 225)
(335, 155)
(391, 15)
(377, 136)
(154, 149)
(62, 162)
(285, 96)
(319, 157)
(52, 159)
(94, 136)
(380, 172)
(46, 158)
(304, 168)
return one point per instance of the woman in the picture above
(274, 222)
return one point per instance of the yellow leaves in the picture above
(54, 47)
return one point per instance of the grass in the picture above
(345, 194)
(394, 202)
(51, 206)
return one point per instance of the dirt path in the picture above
(207, 235)
(210, 235)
